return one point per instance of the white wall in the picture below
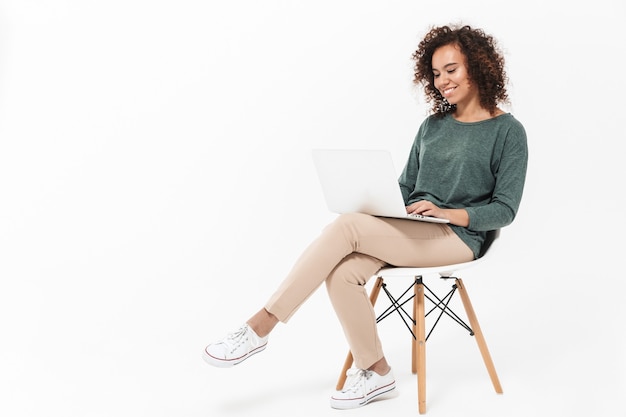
(155, 158)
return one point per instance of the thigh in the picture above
(409, 243)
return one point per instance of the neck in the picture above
(474, 113)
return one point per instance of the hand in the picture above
(458, 217)
(425, 208)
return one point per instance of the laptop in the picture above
(362, 181)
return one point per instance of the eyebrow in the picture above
(447, 65)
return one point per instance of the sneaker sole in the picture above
(346, 404)
(227, 363)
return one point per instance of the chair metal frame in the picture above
(415, 322)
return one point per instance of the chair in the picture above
(440, 305)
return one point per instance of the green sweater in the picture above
(479, 166)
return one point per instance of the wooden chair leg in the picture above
(478, 334)
(414, 340)
(349, 359)
(420, 351)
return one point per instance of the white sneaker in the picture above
(361, 387)
(234, 348)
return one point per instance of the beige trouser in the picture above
(347, 254)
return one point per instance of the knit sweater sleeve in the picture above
(509, 164)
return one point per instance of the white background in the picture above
(156, 184)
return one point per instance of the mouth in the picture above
(447, 92)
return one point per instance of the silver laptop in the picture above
(362, 181)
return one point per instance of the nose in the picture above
(442, 81)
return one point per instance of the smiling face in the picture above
(451, 77)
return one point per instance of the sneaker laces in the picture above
(356, 380)
(235, 339)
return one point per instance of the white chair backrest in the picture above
(492, 236)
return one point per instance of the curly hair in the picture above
(485, 66)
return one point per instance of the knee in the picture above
(343, 279)
(353, 271)
(340, 286)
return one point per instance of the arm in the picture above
(510, 175)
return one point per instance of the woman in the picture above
(467, 164)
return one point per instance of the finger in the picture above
(412, 208)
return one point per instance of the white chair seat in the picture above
(444, 271)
